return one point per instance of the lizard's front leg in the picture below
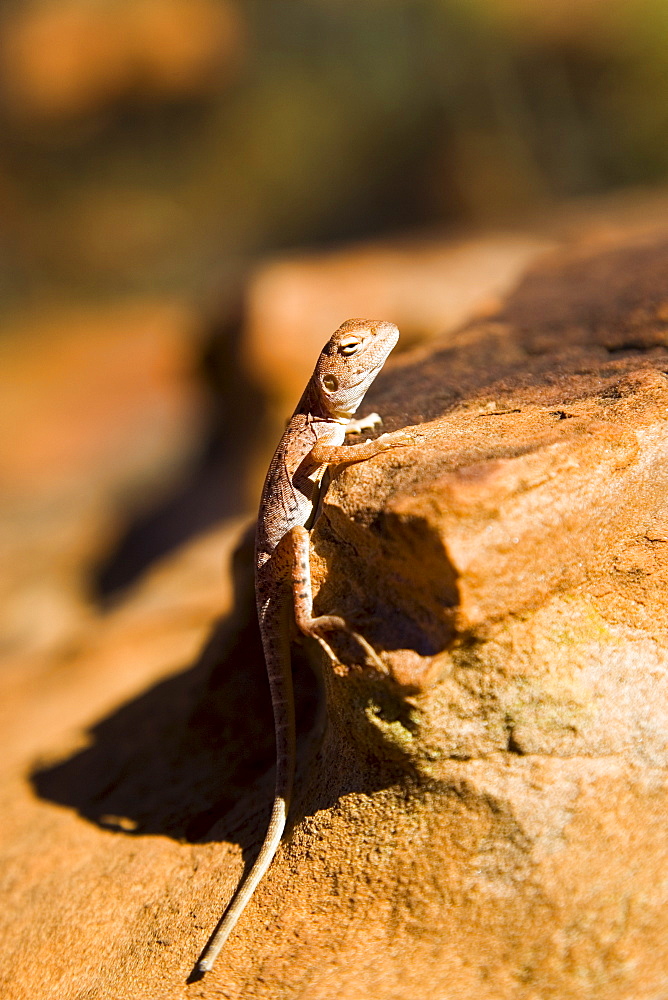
(327, 454)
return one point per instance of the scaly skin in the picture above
(313, 440)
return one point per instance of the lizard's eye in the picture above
(331, 383)
(349, 346)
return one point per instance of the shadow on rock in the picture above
(213, 487)
(176, 758)
(192, 757)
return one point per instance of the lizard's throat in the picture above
(344, 414)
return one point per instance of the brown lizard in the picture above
(313, 440)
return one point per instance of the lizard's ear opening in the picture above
(330, 383)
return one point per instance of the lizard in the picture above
(289, 505)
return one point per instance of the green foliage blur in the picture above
(158, 144)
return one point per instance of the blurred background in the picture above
(195, 193)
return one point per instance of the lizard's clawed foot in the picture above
(317, 627)
(333, 623)
(364, 424)
(395, 439)
(370, 652)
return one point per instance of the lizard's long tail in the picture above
(275, 637)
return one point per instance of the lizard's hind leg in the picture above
(298, 540)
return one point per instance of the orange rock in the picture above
(425, 287)
(485, 817)
(93, 403)
(94, 395)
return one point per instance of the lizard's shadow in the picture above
(192, 758)
(173, 760)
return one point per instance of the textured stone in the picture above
(485, 816)
(427, 287)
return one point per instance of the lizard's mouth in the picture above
(368, 375)
(357, 391)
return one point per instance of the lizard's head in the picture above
(350, 361)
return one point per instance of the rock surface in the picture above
(99, 409)
(428, 287)
(485, 817)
